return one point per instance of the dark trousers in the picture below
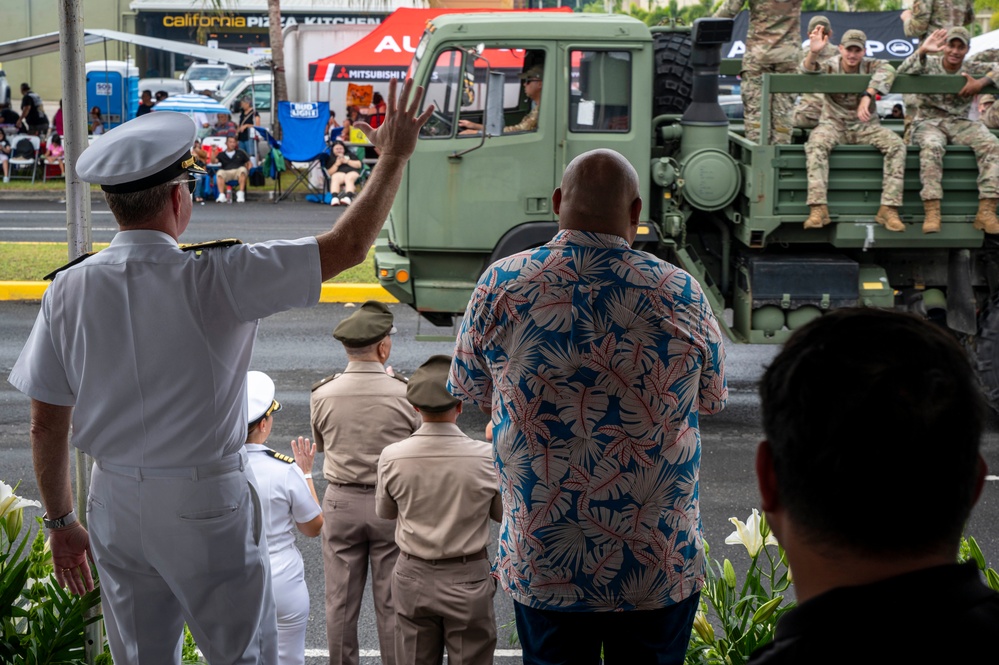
(652, 637)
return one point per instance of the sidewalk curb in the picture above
(59, 196)
(32, 291)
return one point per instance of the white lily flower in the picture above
(9, 502)
(748, 534)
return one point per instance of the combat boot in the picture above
(818, 217)
(888, 217)
(931, 221)
(986, 217)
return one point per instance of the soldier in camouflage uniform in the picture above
(943, 119)
(852, 119)
(988, 112)
(773, 45)
(925, 18)
(809, 108)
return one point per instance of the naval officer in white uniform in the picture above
(142, 350)
(289, 501)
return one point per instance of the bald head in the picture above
(599, 194)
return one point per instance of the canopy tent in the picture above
(386, 52)
(49, 43)
(984, 42)
(191, 103)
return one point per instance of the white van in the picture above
(260, 86)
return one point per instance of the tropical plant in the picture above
(745, 616)
(969, 551)
(40, 622)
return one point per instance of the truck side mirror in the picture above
(493, 119)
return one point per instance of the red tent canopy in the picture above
(385, 52)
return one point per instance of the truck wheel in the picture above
(674, 77)
(986, 352)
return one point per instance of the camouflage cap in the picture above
(427, 388)
(535, 72)
(369, 324)
(854, 38)
(819, 20)
(958, 32)
(987, 99)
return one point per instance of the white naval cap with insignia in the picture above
(141, 153)
(260, 400)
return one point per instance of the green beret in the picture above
(427, 388)
(368, 325)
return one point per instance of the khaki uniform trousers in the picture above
(353, 533)
(444, 603)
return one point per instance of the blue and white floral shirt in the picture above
(596, 360)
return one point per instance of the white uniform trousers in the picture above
(171, 549)
(291, 596)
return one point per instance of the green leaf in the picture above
(766, 609)
(992, 579)
(976, 553)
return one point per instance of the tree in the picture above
(277, 57)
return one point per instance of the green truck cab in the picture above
(727, 210)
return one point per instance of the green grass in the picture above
(29, 262)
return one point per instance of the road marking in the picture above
(375, 653)
(991, 477)
(48, 212)
(53, 228)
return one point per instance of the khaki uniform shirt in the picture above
(938, 106)
(354, 416)
(843, 106)
(441, 488)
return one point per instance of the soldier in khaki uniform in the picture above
(852, 119)
(809, 108)
(943, 118)
(354, 416)
(441, 488)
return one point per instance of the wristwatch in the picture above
(866, 94)
(61, 522)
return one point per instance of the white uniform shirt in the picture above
(284, 495)
(151, 343)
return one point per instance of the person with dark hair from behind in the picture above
(868, 474)
(146, 103)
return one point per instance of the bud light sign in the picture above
(304, 111)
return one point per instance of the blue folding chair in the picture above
(303, 144)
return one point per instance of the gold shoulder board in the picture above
(211, 244)
(279, 456)
(49, 277)
(324, 381)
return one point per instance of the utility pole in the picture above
(79, 242)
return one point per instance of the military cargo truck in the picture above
(727, 210)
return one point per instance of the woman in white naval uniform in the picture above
(289, 500)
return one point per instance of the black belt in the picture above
(477, 556)
(354, 486)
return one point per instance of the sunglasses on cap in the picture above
(191, 183)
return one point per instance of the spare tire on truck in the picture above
(674, 78)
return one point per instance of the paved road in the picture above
(45, 221)
(296, 348)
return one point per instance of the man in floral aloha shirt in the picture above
(595, 361)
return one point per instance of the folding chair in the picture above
(303, 144)
(22, 164)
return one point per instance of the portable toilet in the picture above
(113, 87)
